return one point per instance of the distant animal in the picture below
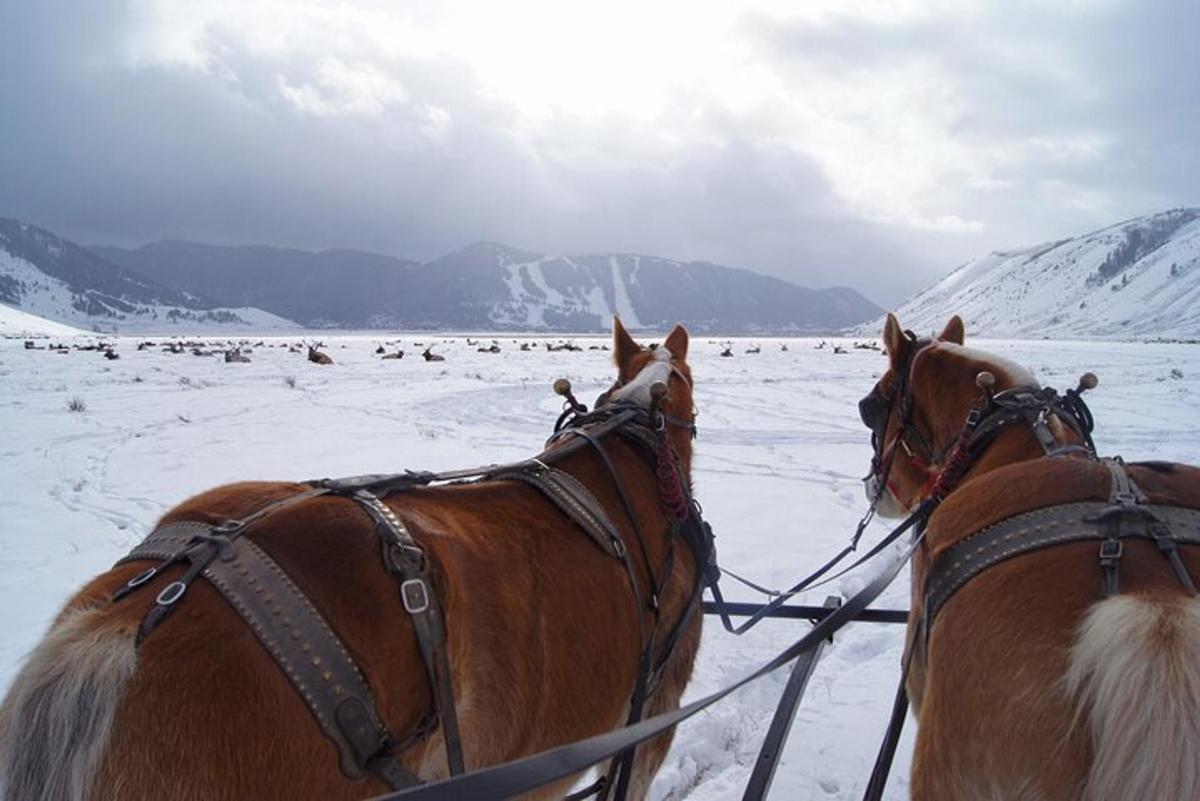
(430, 356)
(380, 351)
(838, 349)
(727, 353)
(316, 357)
(235, 355)
(493, 348)
(783, 347)
(754, 349)
(820, 345)
(111, 355)
(29, 345)
(525, 346)
(399, 354)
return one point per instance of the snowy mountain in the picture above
(49, 277)
(327, 288)
(1138, 279)
(489, 286)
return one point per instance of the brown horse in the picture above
(543, 634)
(1057, 673)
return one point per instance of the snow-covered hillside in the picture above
(489, 285)
(21, 324)
(1139, 279)
(51, 278)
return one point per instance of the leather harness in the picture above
(313, 657)
(1126, 515)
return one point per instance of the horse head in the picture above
(919, 408)
(641, 369)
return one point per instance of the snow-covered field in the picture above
(778, 462)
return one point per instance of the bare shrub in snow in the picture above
(76, 404)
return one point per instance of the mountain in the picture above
(1137, 279)
(47, 276)
(327, 288)
(489, 286)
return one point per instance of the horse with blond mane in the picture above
(538, 604)
(1053, 648)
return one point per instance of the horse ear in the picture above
(624, 348)
(954, 331)
(677, 342)
(894, 340)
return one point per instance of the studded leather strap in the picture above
(1044, 528)
(299, 639)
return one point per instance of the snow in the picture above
(52, 299)
(623, 306)
(1054, 289)
(778, 462)
(17, 323)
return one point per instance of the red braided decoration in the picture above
(670, 492)
(956, 466)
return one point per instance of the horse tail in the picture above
(55, 721)
(1135, 674)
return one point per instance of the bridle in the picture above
(987, 417)
(876, 410)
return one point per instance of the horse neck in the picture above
(1016, 443)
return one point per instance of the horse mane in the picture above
(1008, 373)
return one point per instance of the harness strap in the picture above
(297, 636)
(1047, 527)
(594, 440)
(574, 500)
(406, 560)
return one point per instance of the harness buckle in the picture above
(142, 578)
(1111, 550)
(171, 593)
(415, 594)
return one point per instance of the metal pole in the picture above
(802, 612)
(781, 724)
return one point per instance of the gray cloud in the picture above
(1062, 120)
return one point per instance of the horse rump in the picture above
(57, 716)
(1134, 673)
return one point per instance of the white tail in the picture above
(1135, 674)
(55, 721)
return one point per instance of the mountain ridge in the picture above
(57, 280)
(489, 285)
(1138, 278)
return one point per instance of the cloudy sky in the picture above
(873, 144)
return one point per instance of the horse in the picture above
(1053, 645)
(549, 635)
